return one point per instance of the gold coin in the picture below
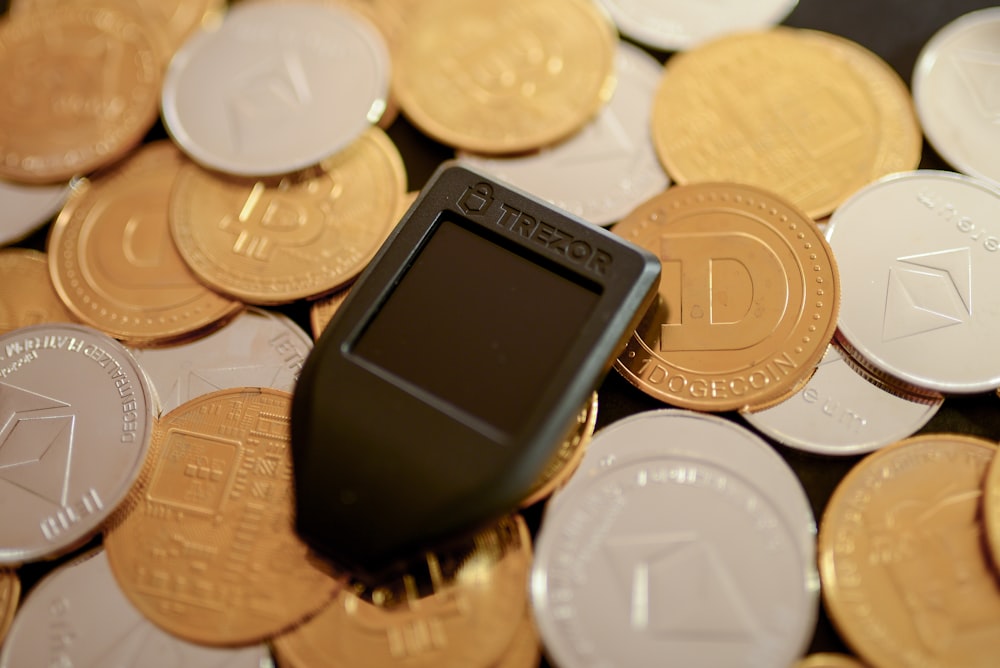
(829, 660)
(505, 77)
(273, 241)
(525, 650)
(204, 546)
(28, 297)
(10, 591)
(462, 611)
(567, 457)
(113, 262)
(748, 298)
(905, 575)
(804, 114)
(81, 87)
(991, 510)
(322, 310)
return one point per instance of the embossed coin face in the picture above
(75, 423)
(845, 410)
(507, 77)
(924, 252)
(81, 87)
(28, 207)
(257, 349)
(953, 80)
(607, 168)
(906, 578)
(206, 549)
(303, 235)
(10, 592)
(473, 604)
(28, 297)
(77, 616)
(114, 265)
(748, 298)
(276, 87)
(670, 556)
(807, 115)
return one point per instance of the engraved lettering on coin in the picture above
(928, 291)
(268, 93)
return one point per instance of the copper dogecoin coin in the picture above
(113, 262)
(205, 547)
(505, 77)
(273, 241)
(905, 575)
(28, 297)
(748, 298)
(10, 592)
(81, 87)
(463, 611)
(807, 115)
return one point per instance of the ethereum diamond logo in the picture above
(600, 141)
(980, 72)
(266, 95)
(680, 586)
(202, 381)
(926, 292)
(36, 443)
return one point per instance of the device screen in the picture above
(477, 324)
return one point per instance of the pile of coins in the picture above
(189, 187)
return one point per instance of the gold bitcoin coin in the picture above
(462, 610)
(273, 241)
(10, 591)
(905, 575)
(204, 546)
(804, 114)
(81, 87)
(829, 660)
(28, 297)
(505, 77)
(113, 263)
(748, 298)
(567, 457)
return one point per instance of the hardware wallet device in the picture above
(447, 380)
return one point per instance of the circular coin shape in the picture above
(28, 297)
(807, 115)
(10, 593)
(953, 80)
(845, 410)
(257, 348)
(607, 168)
(670, 556)
(28, 207)
(276, 87)
(205, 546)
(507, 77)
(675, 25)
(924, 252)
(76, 417)
(474, 601)
(80, 89)
(77, 616)
(303, 235)
(906, 578)
(114, 265)
(747, 303)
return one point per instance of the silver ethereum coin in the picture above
(276, 87)
(27, 207)
(78, 616)
(667, 558)
(610, 166)
(956, 96)
(920, 253)
(845, 410)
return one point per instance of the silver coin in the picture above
(610, 166)
(677, 25)
(955, 93)
(78, 616)
(276, 87)
(670, 560)
(258, 348)
(844, 410)
(75, 423)
(27, 207)
(918, 297)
